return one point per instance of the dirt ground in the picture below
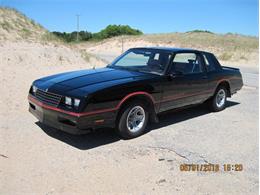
(35, 159)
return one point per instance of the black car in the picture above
(132, 90)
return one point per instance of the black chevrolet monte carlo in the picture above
(132, 90)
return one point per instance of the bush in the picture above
(108, 32)
(116, 30)
(200, 31)
(69, 37)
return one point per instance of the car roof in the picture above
(170, 49)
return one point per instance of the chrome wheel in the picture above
(220, 98)
(135, 119)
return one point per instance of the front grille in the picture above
(48, 98)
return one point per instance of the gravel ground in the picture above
(40, 160)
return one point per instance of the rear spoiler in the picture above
(227, 67)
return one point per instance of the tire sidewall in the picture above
(214, 102)
(122, 123)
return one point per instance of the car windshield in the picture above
(143, 60)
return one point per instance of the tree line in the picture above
(108, 32)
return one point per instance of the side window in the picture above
(156, 56)
(209, 64)
(187, 63)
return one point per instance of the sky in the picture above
(150, 16)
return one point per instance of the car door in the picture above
(186, 81)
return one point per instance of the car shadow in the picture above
(87, 141)
(179, 115)
(106, 136)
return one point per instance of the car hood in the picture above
(64, 82)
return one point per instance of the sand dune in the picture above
(23, 62)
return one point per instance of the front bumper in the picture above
(69, 123)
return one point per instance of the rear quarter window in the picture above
(210, 65)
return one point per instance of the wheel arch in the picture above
(135, 96)
(226, 84)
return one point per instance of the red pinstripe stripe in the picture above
(32, 99)
(133, 94)
(175, 97)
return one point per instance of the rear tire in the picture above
(218, 101)
(133, 119)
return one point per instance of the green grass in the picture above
(22, 26)
(225, 46)
(200, 40)
(6, 26)
(25, 33)
(225, 56)
(86, 56)
(49, 37)
(242, 57)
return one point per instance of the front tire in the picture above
(133, 119)
(218, 101)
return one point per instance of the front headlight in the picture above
(76, 102)
(34, 89)
(72, 101)
(68, 101)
